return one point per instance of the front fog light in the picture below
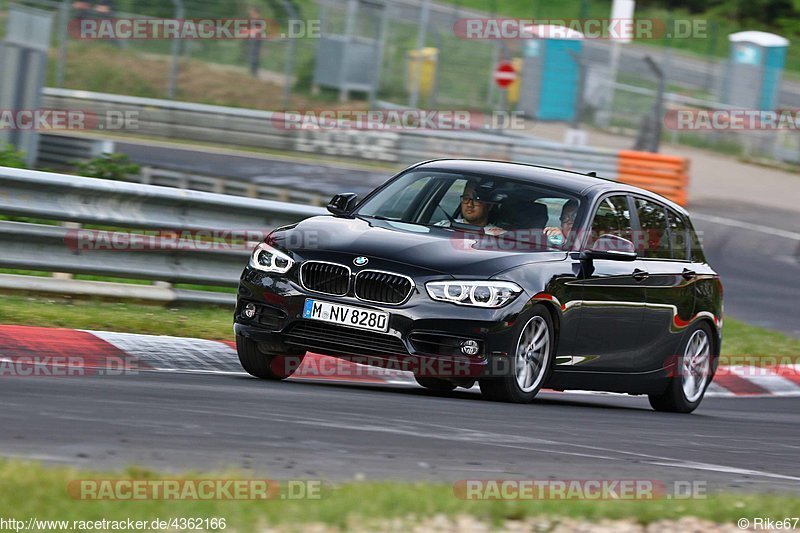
(469, 347)
(249, 310)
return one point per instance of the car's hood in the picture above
(439, 250)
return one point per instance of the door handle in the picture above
(640, 275)
(688, 274)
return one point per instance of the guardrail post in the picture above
(176, 48)
(65, 275)
(146, 174)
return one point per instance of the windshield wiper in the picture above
(381, 217)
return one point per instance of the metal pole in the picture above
(712, 58)
(492, 67)
(613, 68)
(176, 49)
(658, 108)
(344, 72)
(376, 78)
(421, 31)
(288, 69)
(578, 116)
(63, 20)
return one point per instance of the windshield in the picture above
(503, 208)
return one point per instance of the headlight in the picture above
(476, 293)
(268, 259)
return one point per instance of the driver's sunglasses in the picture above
(568, 218)
(469, 199)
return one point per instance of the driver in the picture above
(476, 211)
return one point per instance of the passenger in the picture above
(568, 212)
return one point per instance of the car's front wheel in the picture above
(530, 361)
(691, 376)
(265, 364)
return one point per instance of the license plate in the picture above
(346, 315)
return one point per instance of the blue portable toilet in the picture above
(550, 72)
(754, 70)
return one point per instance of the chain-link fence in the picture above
(182, 68)
(710, 116)
(411, 51)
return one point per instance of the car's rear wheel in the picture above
(436, 384)
(691, 376)
(265, 364)
(530, 361)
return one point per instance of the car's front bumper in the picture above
(424, 336)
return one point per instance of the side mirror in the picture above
(342, 204)
(612, 248)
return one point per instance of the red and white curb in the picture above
(94, 349)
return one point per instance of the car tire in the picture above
(536, 329)
(435, 384)
(691, 375)
(264, 364)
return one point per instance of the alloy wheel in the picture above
(533, 352)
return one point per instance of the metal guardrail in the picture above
(266, 129)
(56, 248)
(92, 201)
(226, 185)
(74, 199)
(59, 151)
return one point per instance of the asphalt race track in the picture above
(332, 431)
(325, 178)
(756, 251)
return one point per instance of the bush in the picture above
(108, 166)
(10, 157)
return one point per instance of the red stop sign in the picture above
(505, 74)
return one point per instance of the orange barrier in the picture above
(667, 175)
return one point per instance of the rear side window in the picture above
(678, 235)
(611, 218)
(653, 242)
(694, 241)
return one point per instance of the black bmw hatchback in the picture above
(513, 276)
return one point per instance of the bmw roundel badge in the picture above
(360, 261)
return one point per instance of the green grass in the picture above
(213, 322)
(30, 490)
(739, 338)
(203, 321)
